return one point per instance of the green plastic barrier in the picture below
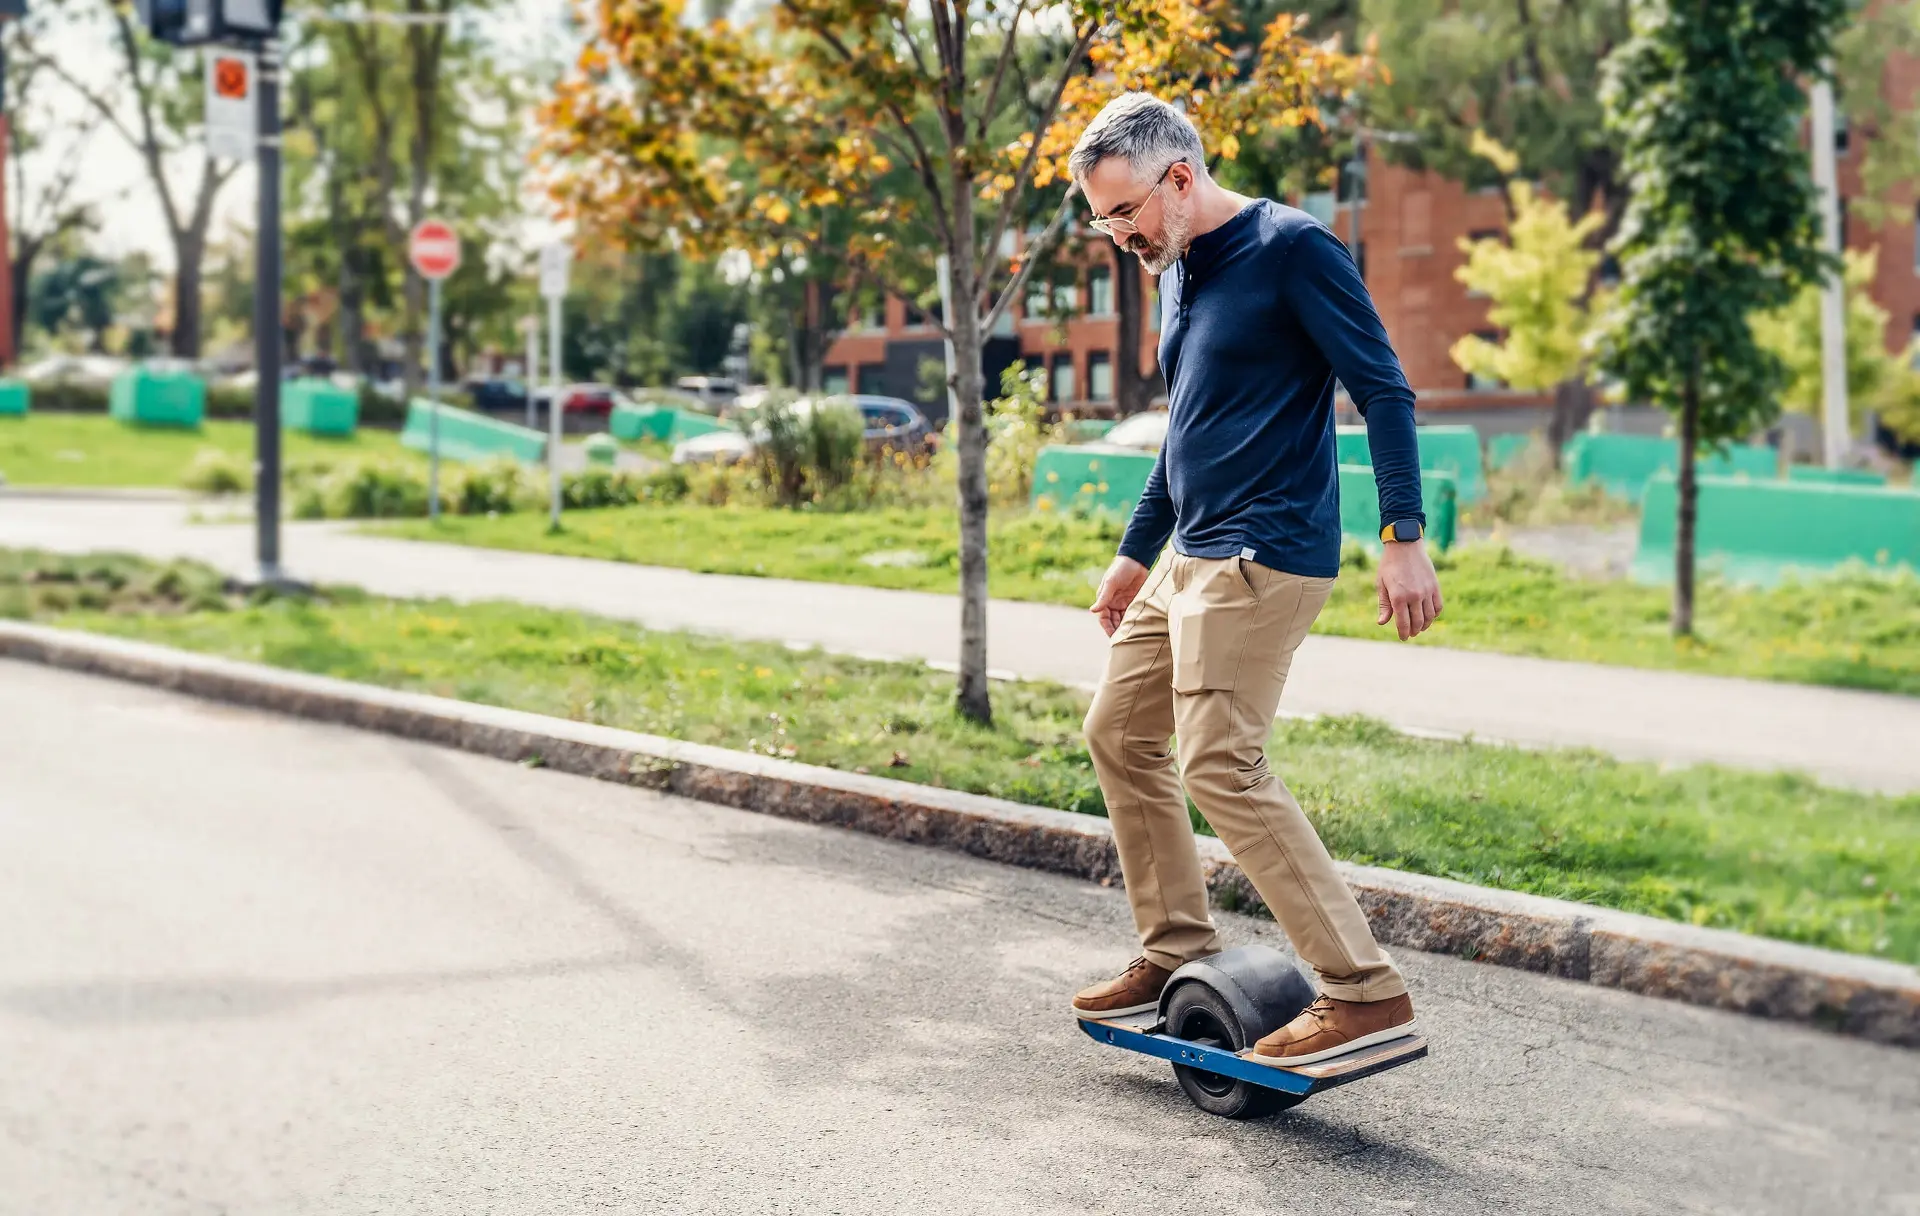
(1503, 450)
(1068, 477)
(1071, 477)
(1816, 475)
(319, 407)
(1454, 450)
(640, 421)
(1762, 531)
(601, 449)
(145, 397)
(467, 436)
(662, 422)
(1360, 506)
(687, 424)
(1088, 430)
(1624, 464)
(15, 397)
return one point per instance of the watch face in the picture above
(1406, 530)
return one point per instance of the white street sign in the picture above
(554, 262)
(233, 108)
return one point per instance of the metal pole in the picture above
(433, 397)
(266, 323)
(1833, 333)
(554, 405)
(532, 371)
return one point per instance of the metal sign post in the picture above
(554, 264)
(435, 252)
(266, 301)
(530, 375)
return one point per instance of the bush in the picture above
(807, 452)
(216, 472)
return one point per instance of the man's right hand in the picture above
(1123, 581)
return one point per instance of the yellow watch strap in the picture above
(1386, 531)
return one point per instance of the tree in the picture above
(718, 136)
(1538, 281)
(1792, 335)
(1705, 100)
(1526, 72)
(397, 115)
(1238, 83)
(167, 95)
(42, 208)
(78, 293)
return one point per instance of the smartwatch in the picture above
(1403, 530)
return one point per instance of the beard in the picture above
(1176, 232)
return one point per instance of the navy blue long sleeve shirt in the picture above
(1257, 322)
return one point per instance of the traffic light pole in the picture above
(266, 324)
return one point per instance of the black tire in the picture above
(1198, 1014)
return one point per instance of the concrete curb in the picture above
(1867, 998)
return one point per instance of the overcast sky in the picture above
(112, 175)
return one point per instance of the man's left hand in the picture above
(1409, 589)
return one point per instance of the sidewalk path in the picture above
(1860, 739)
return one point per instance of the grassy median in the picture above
(1777, 855)
(95, 450)
(1853, 631)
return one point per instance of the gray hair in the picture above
(1142, 130)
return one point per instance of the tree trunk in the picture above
(1133, 391)
(1689, 505)
(1573, 405)
(968, 388)
(184, 342)
(21, 280)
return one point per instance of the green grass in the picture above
(1860, 631)
(1776, 855)
(94, 450)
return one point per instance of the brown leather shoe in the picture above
(1329, 1028)
(1136, 990)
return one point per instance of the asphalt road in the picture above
(1843, 737)
(255, 965)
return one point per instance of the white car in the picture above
(1143, 432)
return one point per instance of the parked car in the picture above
(887, 422)
(894, 423)
(716, 390)
(1143, 432)
(74, 369)
(499, 396)
(594, 399)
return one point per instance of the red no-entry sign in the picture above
(434, 249)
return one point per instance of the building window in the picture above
(1100, 291)
(1099, 376)
(872, 317)
(1840, 132)
(1479, 383)
(1319, 204)
(833, 379)
(871, 378)
(1062, 385)
(1843, 221)
(918, 318)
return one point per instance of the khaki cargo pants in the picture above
(1202, 654)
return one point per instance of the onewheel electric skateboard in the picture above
(1216, 1007)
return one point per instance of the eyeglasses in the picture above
(1124, 225)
